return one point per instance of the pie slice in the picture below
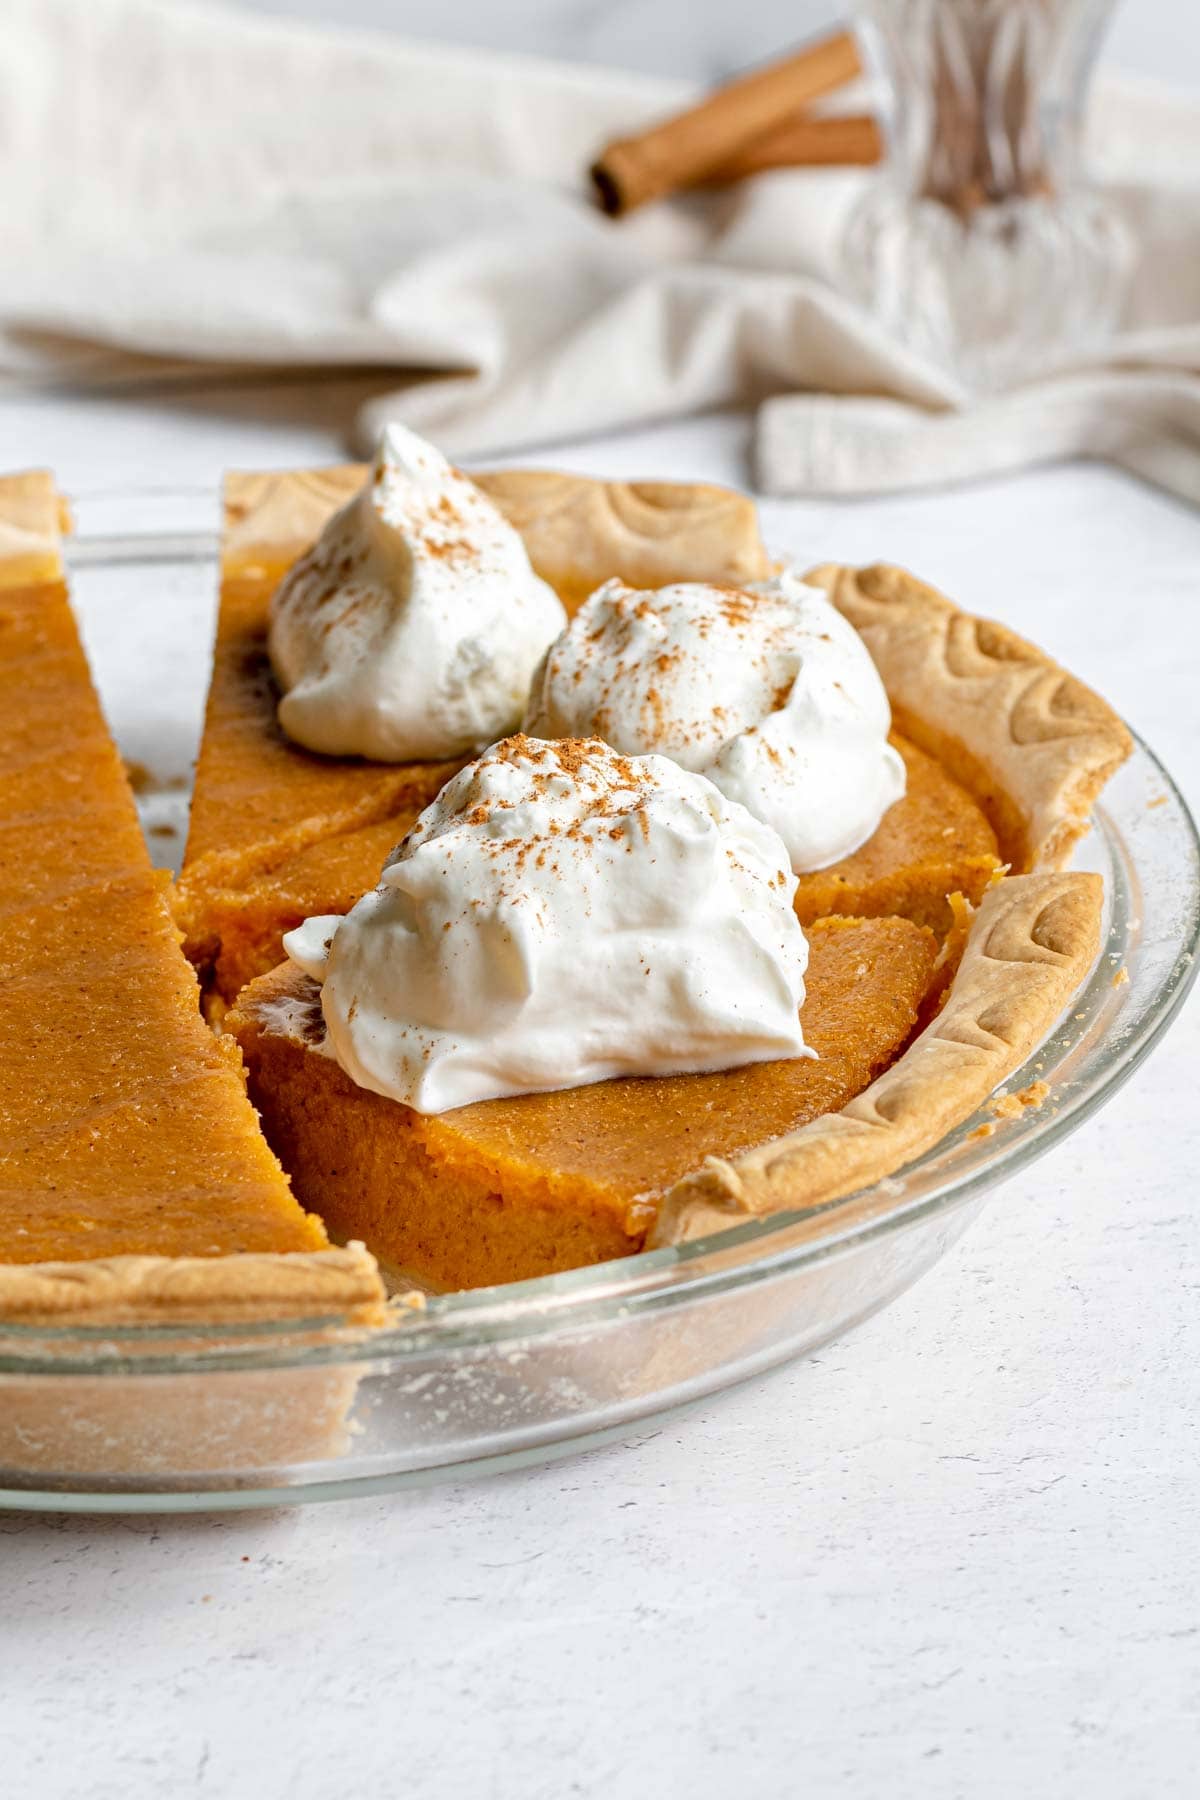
(507, 1189)
(279, 835)
(135, 1183)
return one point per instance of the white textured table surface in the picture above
(956, 1554)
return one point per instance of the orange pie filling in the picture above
(505, 1189)
(124, 1126)
(934, 842)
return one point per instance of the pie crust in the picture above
(1032, 743)
(32, 520)
(1035, 746)
(340, 1283)
(578, 531)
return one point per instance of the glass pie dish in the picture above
(165, 1419)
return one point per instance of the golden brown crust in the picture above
(273, 516)
(1034, 744)
(1032, 941)
(578, 531)
(159, 1290)
(31, 521)
(581, 532)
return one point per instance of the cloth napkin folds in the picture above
(190, 185)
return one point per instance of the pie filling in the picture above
(124, 1125)
(506, 1189)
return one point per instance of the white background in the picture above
(956, 1554)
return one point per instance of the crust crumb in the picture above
(981, 1131)
(1121, 978)
(1011, 1106)
(1158, 800)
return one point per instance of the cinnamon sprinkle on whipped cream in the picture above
(411, 628)
(767, 690)
(562, 914)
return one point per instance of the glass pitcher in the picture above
(981, 244)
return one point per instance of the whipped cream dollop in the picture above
(411, 628)
(767, 690)
(562, 914)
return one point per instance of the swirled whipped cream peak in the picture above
(767, 690)
(411, 628)
(562, 914)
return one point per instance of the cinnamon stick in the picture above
(806, 142)
(688, 149)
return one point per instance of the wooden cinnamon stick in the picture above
(688, 149)
(806, 142)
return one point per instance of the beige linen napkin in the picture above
(189, 185)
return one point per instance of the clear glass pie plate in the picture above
(163, 1420)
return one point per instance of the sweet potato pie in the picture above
(135, 1179)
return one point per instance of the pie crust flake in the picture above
(32, 519)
